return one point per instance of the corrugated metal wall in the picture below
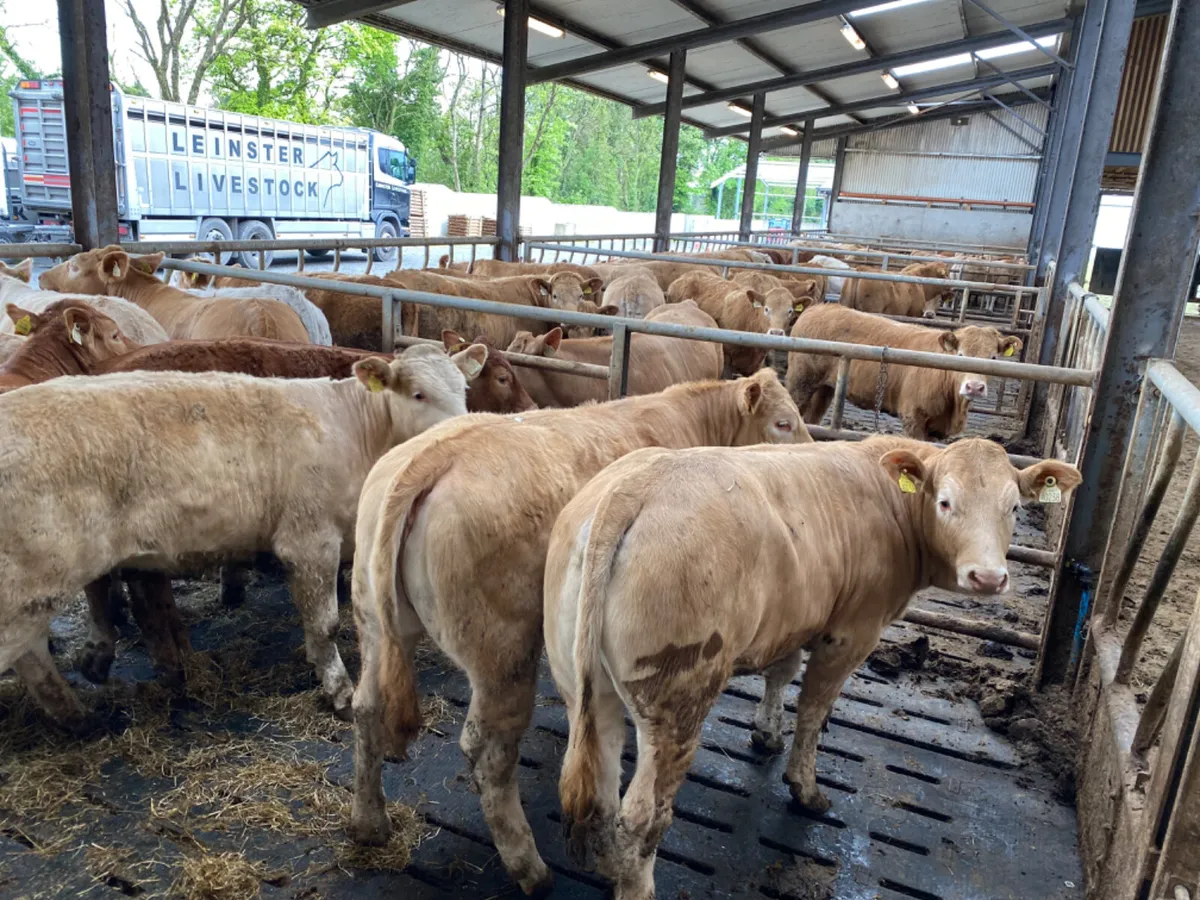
(981, 160)
(1137, 84)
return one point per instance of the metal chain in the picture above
(880, 386)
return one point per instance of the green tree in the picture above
(13, 68)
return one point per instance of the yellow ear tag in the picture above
(1009, 350)
(799, 307)
(586, 289)
(1051, 492)
(23, 325)
(907, 485)
(374, 384)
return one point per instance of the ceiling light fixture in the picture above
(658, 76)
(914, 109)
(740, 110)
(890, 80)
(538, 25)
(791, 132)
(853, 37)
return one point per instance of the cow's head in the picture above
(103, 271)
(805, 292)
(423, 385)
(768, 415)
(496, 389)
(192, 281)
(969, 494)
(567, 290)
(978, 342)
(21, 271)
(934, 294)
(779, 307)
(85, 332)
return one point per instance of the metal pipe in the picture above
(972, 628)
(821, 433)
(1163, 570)
(342, 243)
(546, 363)
(1015, 290)
(1163, 472)
(38, 250)
(839, 393)
(670, 152)
(735, 338)
(1155, 710)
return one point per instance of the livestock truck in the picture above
(190, 173)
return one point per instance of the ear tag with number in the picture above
(23, 325)
(1051, 492)
(374, 384)
(907, 485)
(1009, 350)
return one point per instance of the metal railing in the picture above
(1084, 333)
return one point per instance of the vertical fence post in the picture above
(512, 128)
(753, 150)
(389, 323)
(670, 153)
(802, 178)
(1148, 306)
(618, 365)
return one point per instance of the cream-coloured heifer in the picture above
(899, 298)
(110, 270)
(452, 533)
(157, 472)
(673, 569)
(930, 402)
(655, 362)
(634, 293)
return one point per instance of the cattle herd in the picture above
(653, 546)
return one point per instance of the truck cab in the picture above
(392, 171)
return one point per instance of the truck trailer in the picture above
(190, 173)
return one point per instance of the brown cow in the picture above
(928, 401)
(784, 300)
(439, 553)
(67, 338)
(896, 298)
(665, 273)
(674, 569)
(495, 268)
(111, 270)
(9, 344)
(734, 307)
(496, 388)
(655, 363)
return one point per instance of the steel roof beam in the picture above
(882, 124)
(1021, 33)
(332, 12)
(1032, 145)
(890, 99)
(906, 57)
(1010, 77)
(703, 37)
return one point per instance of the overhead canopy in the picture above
(799, 54)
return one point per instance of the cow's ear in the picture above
(948, 341)
(552, 341)
(451, 339)
(608, 309)
(444, 261)
(1010, 346)
(373, 373)
(114, 265)
(905, 469)
(757, 300)
(541, 289)
(1048, 480)
(593, 287)
(752, 394)
(22, 271)
(24, 321)
(470, 361)
(147, 264)
(79, 324)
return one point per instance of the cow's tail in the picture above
(582, 764)
(399, 706)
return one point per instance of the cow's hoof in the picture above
(538, 883)
(766, 743)
(810, 798)
(370, 829)
(345, 712)
(95, 663)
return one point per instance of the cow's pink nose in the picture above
(775, 331)
(989, 581)
(974, 388)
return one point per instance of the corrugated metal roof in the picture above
(474, 26)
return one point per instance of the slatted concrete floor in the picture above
(927, 804)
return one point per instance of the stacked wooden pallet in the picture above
(464, 226)
(416, 215)
(489, 227)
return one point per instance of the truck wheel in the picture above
(216, 230)
(385, 229)
(254, 230)
(319, 254)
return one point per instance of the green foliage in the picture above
(13, 68)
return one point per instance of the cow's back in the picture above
(260, 358)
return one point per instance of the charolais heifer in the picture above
(452, 533)
(930, 402)
(162, 471)
(673, 569)
(893, 298)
